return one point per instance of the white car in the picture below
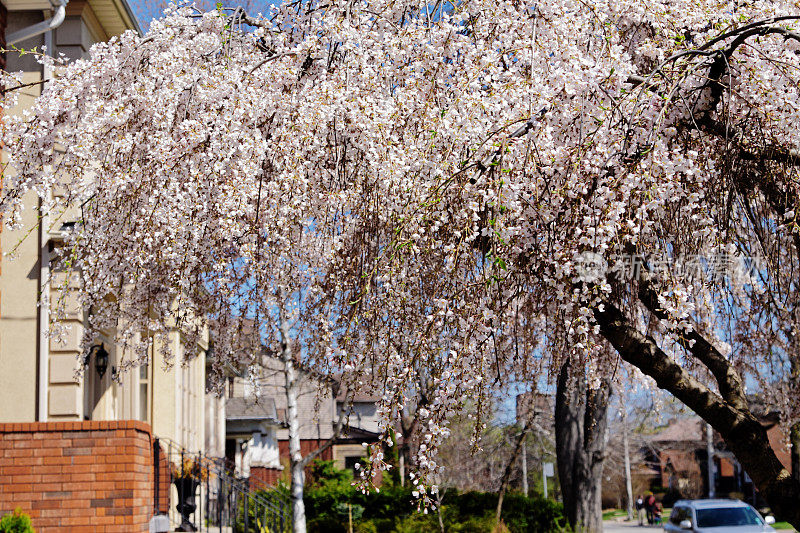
(716, 516)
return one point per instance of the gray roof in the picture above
(258, 408)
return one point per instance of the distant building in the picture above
(319, 402)
(362, 426)
(678, 454)
(542, 405)
(251, 440)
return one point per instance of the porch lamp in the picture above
(100, 359)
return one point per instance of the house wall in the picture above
(36, 372)
(214, 425)
(315, 404)
(343, 451)
(78, 476)
(40, 378)
(777, 440)
(178, 396)
(262, 477)
(364, 416)
(19, 278)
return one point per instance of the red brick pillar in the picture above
(79, 476)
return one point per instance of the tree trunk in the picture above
(794, 430)
(580, 426)
(295, 454)
(525, 469)
(402, 461)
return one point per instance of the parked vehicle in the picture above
(716, 516)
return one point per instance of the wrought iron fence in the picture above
(200, 493)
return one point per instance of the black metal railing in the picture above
(206, 494)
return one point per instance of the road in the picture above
(628, 527)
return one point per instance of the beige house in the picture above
(38, 378)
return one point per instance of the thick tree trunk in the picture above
(727, 412)
(580, 425)
(794, 430)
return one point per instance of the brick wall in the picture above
(162, 487)
(306, 446)
(263, 478)
(78, 476)
(777, 440)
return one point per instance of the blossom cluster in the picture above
(416, 185)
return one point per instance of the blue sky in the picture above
(146, 10)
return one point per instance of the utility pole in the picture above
(525, 469)
(544, 480)
(628, 485)
(547, 470)
(710, 453)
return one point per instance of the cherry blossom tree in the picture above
(471, 177)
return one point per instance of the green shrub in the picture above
(16, 522)
(365, 527)
(393, 509)
(348, 511)
(418, 523)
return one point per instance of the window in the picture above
(728, 517)
(144, 393)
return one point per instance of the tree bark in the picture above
(794, 430)
(295, 453)
(728, 414)
(580, 426)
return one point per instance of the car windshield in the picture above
(727, 516)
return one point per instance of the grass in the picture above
(610, 514)
(783, 526)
